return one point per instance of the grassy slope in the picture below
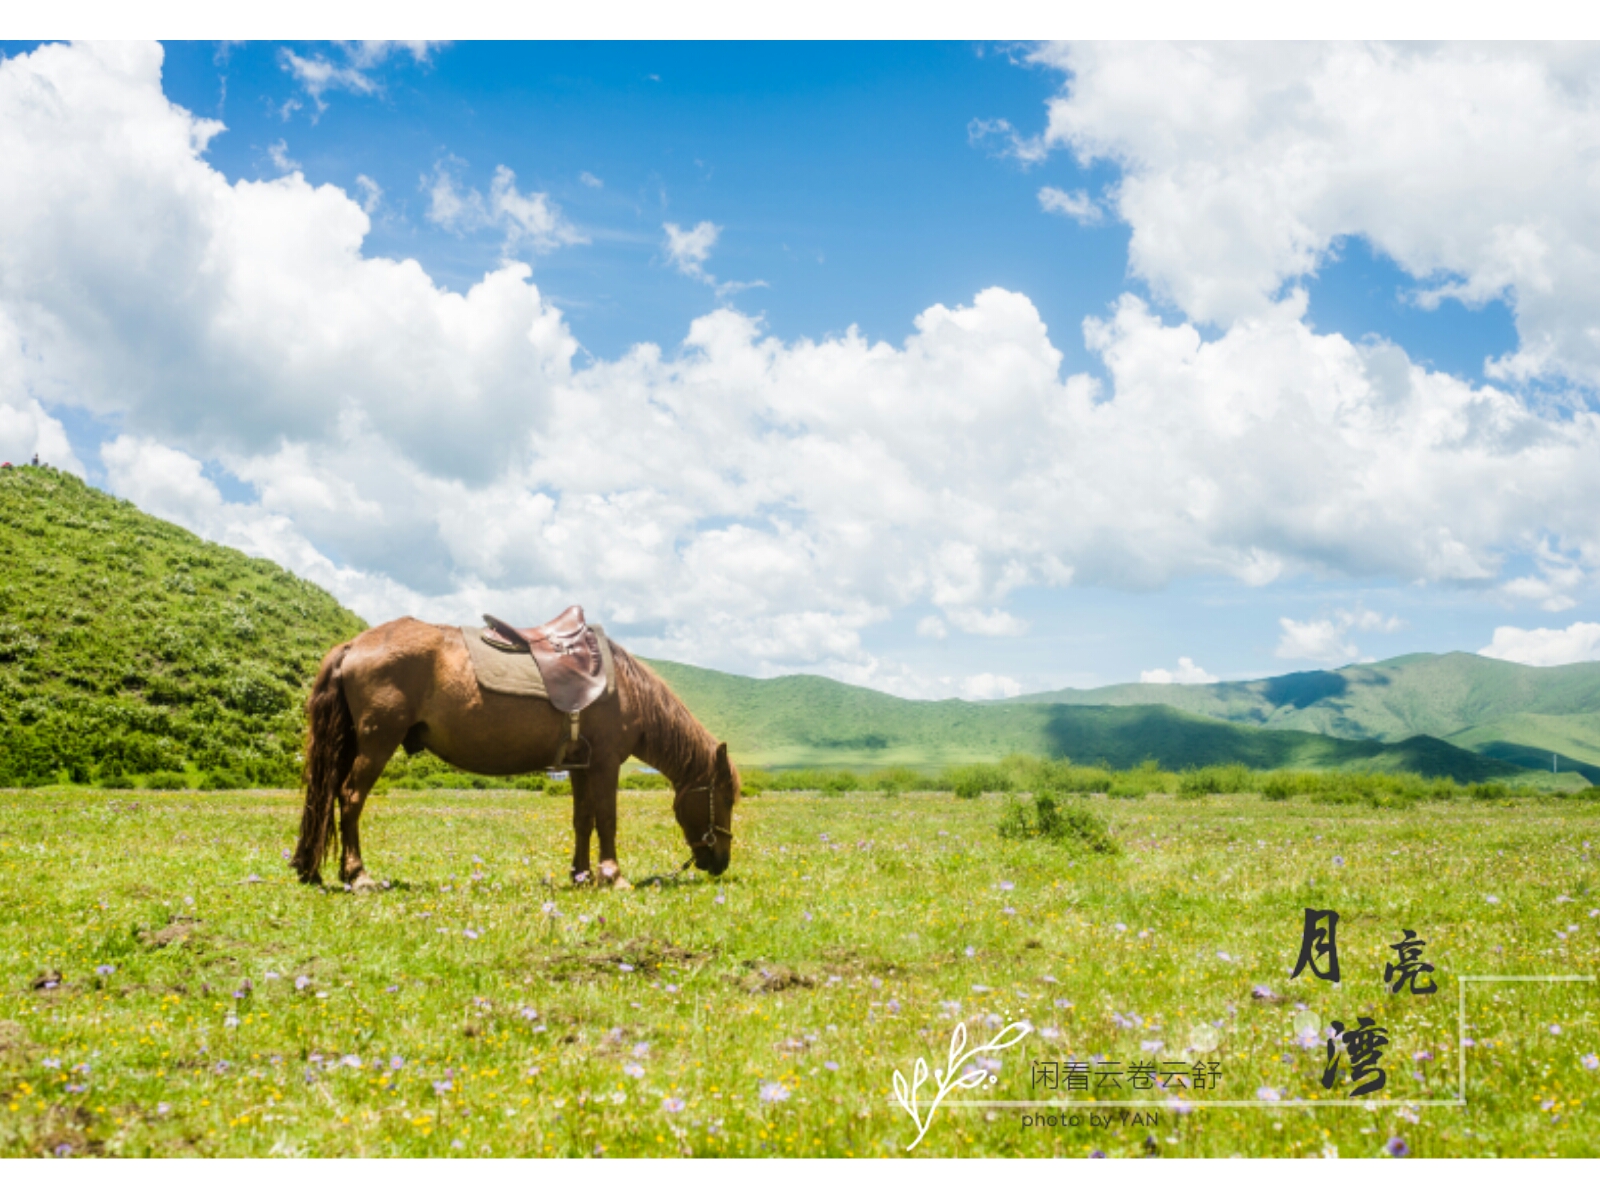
(128, 645)
(804, 720)
(1460, 697)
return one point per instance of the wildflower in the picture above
(243, 990)
(1224, 956)
(1396, 1147)
(471, 933)
(105, 969)
(396, 1063)
(1120, 927)
(980, 988)
(1006, 885)
(528, 1014)
(222, 1067)
(1591, 1062)
(63, 1151)
(302, 982)
(671, 987)
(1153, 1047)
(1422, 1056)
(351, 1061)
(1338, 860)
(640, 1049)
(991, 1065)
(1009, 911)
(625, 968)
(805, 916)
(163, 1109)
(476, 859)
(672, 1104)
(1062, 1002)
(392, 988)
(253, 878)
(77, 1087)
(1097, 1154)
(1555, 1030)
(833, 1066)
(443, 1087)
(52, 1062)
(285, 855)
(992, 1020)
(893, 1006)
(549, 909)
(1492, 899)
(633, 1070)
(271, 975)
(1270, 1095)
(971, 951)
(721, 899)
(1049, 979)
(1180, 1106)
(774, 1093)
(230, 1021)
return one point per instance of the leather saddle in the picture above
(567, 652)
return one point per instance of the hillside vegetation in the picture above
(805, 720)
(1505, 710)
(129, 646)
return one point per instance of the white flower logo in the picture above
(952, 1076)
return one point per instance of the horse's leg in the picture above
(373, 756)
(582, 827)
(603, 800)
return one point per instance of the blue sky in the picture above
(1159, 353)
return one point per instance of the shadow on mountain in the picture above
(1535, 759)
(1304, 688)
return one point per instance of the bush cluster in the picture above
(1045, 816)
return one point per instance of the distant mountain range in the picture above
(1520, 715)
(806, 720)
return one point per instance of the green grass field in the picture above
(477, 1008)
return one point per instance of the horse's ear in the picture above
(723, 769)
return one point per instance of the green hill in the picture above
(805, 720)
(1463, 698)
(130, 646)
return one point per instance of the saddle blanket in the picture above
(515, 673)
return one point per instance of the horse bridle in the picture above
(709, 839)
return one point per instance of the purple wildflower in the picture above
(893, 1006)
(442, 1086)
(1006, 885)
(302, 982)
(104, 969)
(1591, 1062)
(63, 1151)
(1396, 1147)
(1269, 1094)
(396, 1063)
(163, 1109)
(672, 1104)
(351, 1061)
(774, 1093)
(1097, 1154)
(633, 1070)
(833, 1066)
(985, 1063)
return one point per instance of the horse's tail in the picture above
(330, 754)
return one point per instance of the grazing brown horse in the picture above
(411, 684)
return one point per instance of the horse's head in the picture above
(705, 813)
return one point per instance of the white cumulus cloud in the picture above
(1326, 639)
(1076, 205)
(1578, 642)
(1187, 672)
(1245, 163)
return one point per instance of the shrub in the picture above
(221, 779)
(1493, 790)
(116, 783)
(166, 781)
(1068, 824)
(971, 782)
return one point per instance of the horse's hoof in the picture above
(312, 880)
(611, 876)
(364, 883)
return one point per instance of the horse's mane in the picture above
(673, 741)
